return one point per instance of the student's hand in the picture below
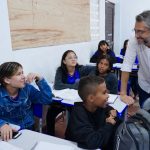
(111, 120)
(6, 132)
(77, 80)
(127, 99)
(113, 113)
(33, 77)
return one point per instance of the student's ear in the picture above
(64, 62)
(90, 98)
(7, 80)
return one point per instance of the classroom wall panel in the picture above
(35, 23)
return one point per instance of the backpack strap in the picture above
(146, 105)
(144, 114)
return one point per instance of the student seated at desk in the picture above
(67, 76)
(92, 123)
(17, 97)
(103, 69)
(103, 49)
(123, 51)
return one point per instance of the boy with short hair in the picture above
(92, 123)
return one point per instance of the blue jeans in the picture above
(142, 96)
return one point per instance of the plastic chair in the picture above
(38, 111)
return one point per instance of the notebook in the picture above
(119, 105)
(112, 98)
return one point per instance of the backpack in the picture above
(134, 133)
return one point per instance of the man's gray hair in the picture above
(145, 17)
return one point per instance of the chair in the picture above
(38, 111)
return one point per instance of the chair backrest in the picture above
(146, 105)
(37, 110)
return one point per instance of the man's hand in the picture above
(127, 99)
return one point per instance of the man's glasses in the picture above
(140, 32)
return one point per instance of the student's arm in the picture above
(2, 122)
(86, 70)
(82, 131)
(94, 58)
(112, 56)
(58, 83)
(43, 95)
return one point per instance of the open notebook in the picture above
(118, 104)
(112, 98)
(47, 146)
(69, 96)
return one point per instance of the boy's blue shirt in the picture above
(20, 111)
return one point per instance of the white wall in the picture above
(125, 19)
(43, 60)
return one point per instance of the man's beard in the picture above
(140, 40)
(147, 42)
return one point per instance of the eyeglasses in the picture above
(140, 32)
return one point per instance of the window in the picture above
(94, 19)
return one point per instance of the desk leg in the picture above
(40, 125)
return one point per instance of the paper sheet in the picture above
(67, 94)
(7, 146)
(47, 146)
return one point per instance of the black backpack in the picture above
(134, 133)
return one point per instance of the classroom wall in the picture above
(125, 14)
(44, 60)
